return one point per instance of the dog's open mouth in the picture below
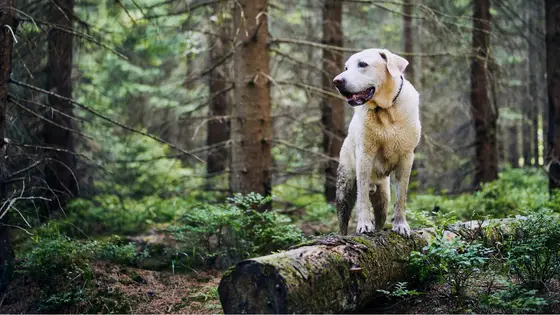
(359, 98)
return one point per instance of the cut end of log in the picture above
(254, 288)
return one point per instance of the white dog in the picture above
(381, 139)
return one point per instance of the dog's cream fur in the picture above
(381, 140)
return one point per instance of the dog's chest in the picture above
(386, 138)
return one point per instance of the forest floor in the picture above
(137, 291)
(141, 291)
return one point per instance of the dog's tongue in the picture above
(359, 95)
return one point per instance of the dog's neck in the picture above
(387, 94)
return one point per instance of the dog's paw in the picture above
(365, 226)
(401, 227)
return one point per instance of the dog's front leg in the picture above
(364, 165)
(402, 172)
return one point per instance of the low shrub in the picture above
(534, 252)
(456, 262)
(224, 233)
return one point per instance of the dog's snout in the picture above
(338, 81)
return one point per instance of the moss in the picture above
(229, 271)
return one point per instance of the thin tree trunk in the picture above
(483, 112)
(6, 45)
(408, 34)
(525, 100)
(250, 124)
(332, 109)
(533, 69)
(218, 127)
(553, 76)
(513, 144)
(60, 169)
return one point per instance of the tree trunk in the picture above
(553, 78)
(333, 275)
(408, 34)
(513, 145)
(526, 102)
(483, 112)
(250, 124)
(332, 109)
(534, 95)
(60, 168)
(218, 125)
(7, 18)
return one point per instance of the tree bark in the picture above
(408, 35)
(513, 145)
(333, 275)
(218, 125)
(553, 78)
(7, 19)
(250, 124)
(61, 165)
(483, 112)
(332, 109)
(534, 71)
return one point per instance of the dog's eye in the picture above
(345, 68)
(362, 64)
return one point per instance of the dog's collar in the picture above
(400, 88)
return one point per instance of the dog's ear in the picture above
(395, 63)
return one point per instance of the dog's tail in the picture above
(346, 192)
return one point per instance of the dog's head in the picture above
(369, 73)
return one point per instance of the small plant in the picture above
(454, 261)
(399, 290)
(534, 254)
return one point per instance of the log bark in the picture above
(332, 275)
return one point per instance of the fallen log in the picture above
(332, 275)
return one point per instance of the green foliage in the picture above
(453, 261)
(534, 254)
(514, 300)
(517, 191)
(224, 233)
(109, 214)
(62, 266)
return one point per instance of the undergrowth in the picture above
(514, 267)
(221, 234)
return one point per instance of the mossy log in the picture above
(331, 275)
(334, 274)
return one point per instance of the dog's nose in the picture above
(339, 81)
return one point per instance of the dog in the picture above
(384, 131)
